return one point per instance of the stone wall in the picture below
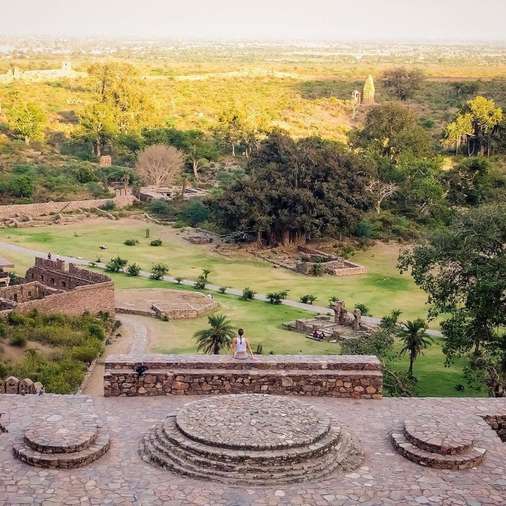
(89, 298)
(498, 423)
(52, 288)
(122, 199)
(53, 273)
(26, 292)
(358, 377)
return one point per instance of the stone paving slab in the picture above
(121, 478)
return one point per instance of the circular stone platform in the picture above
(59, 441)
(175, 304)
(58, 434)
(435, 434)
(252, 422)
(251, 439)
(439, 442)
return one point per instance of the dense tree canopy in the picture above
(403, 83)
(295, 191)
(463, 270)
(26, 120)
(391, 130)
(475, 126)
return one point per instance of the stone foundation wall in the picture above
(498, 423)
(89, 298)
(122, 199)
(358, 377)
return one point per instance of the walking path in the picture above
(371, 320)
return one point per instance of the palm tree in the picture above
(415, 339)
(218, 336)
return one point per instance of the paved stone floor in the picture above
(121, 477)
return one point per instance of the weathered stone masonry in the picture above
(358, 377)
(52, 288)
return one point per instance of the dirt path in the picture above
(135, 336)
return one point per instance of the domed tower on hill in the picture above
(369, 91)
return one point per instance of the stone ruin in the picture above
(50, 286)
(251, 440)
(13, 385)
(314, 262)
(344, 325)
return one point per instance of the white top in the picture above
(240, 343)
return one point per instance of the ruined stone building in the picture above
(52, 287)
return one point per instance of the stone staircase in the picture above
(190, 454)
(439, 443)
(59, 442)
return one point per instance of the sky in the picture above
(339, 20)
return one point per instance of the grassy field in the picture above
(382, 289)
(263, 322)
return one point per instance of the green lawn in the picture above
(262, 323)
(382, 289)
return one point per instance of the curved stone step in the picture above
(237, 478)
(172, 434)
(468, 459)
(312, 464)
(50, 448)
(437, 435)
(62, 460)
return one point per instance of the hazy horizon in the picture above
(321, 20)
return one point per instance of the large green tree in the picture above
(26, 120)
(295, 191)
(475, 126)
(463, 270)
(392, 130)
(402, 82)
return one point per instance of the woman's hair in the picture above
(240, 332)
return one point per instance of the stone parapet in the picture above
(358, 377)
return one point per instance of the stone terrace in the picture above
(121, 477)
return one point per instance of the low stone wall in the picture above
(358, 377)
(13, 385)
(498, 423)
(92, 298)
(122, 199)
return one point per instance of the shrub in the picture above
(161, 208)
(179, 280)
(194, 213)
(96, 330)
(248, 294)
(317, 269)
(158, 271)
(133, 270)
(116, 264)
(363, 309)
(201, 282)
(108, 206)
(308, 299)
(365, 230)
(156, 242)
(131, 242)
(18, 340)
(277, 297)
